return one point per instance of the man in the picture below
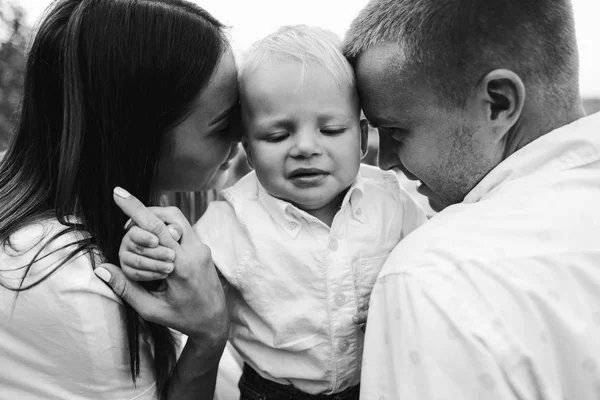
(498, 295)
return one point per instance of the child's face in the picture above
(303, 135)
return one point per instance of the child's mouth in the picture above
(308, 176)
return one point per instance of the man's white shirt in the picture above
(498, 297)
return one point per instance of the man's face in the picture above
(445, 148)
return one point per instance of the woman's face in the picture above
(201, 147)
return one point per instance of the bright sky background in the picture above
(252, 19)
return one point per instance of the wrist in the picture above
(209, 352)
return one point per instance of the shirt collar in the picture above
(567, 147)
(289, 217)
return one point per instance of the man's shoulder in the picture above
(510, 224)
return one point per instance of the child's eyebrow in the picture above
(274, 122)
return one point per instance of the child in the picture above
(300, 240)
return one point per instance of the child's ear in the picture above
(248, 153)
(364, 138)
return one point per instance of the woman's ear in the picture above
(364, 138)
(248, 153)
(503, 95)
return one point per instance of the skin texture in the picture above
(295, 120)
(446, 148)
(200, 148)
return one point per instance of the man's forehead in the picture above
(381, 58)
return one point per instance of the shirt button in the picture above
(340, 299)
(359, 212)
(292, 225)
(343, 347)
(333, 244)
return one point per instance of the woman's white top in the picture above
(64, 338)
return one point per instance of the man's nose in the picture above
(388, 157)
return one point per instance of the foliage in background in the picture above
(13, 42)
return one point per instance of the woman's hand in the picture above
(192, 299)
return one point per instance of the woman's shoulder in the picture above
(64, 316)
(39, 250)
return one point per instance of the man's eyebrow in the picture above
(222, 115)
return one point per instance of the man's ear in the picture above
(364, 138)
(503, 95)
(248, 153)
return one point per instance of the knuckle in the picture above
(138, 249)
(205, 254)
(137, 262)
(175, 212)
(121, 289)
(137, 275)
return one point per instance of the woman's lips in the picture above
(232, 153)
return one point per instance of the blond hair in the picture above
(312, 47)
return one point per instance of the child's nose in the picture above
(306, 144)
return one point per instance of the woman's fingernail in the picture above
(119, 191)
(103, 274)
(126, 223)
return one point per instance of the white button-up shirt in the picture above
(498, 297)
(294, 284)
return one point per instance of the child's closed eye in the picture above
(332, 131)
(276, 137)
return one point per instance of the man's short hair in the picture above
(310, 46)
(457, 42)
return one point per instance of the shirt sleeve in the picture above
(431, 336)
(218, 228)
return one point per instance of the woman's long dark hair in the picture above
(105, 82)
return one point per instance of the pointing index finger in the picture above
(142, 217)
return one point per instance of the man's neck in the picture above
(533, 125)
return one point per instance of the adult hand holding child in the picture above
(178, 304)
(191, 288)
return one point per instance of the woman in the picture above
(133, 93)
